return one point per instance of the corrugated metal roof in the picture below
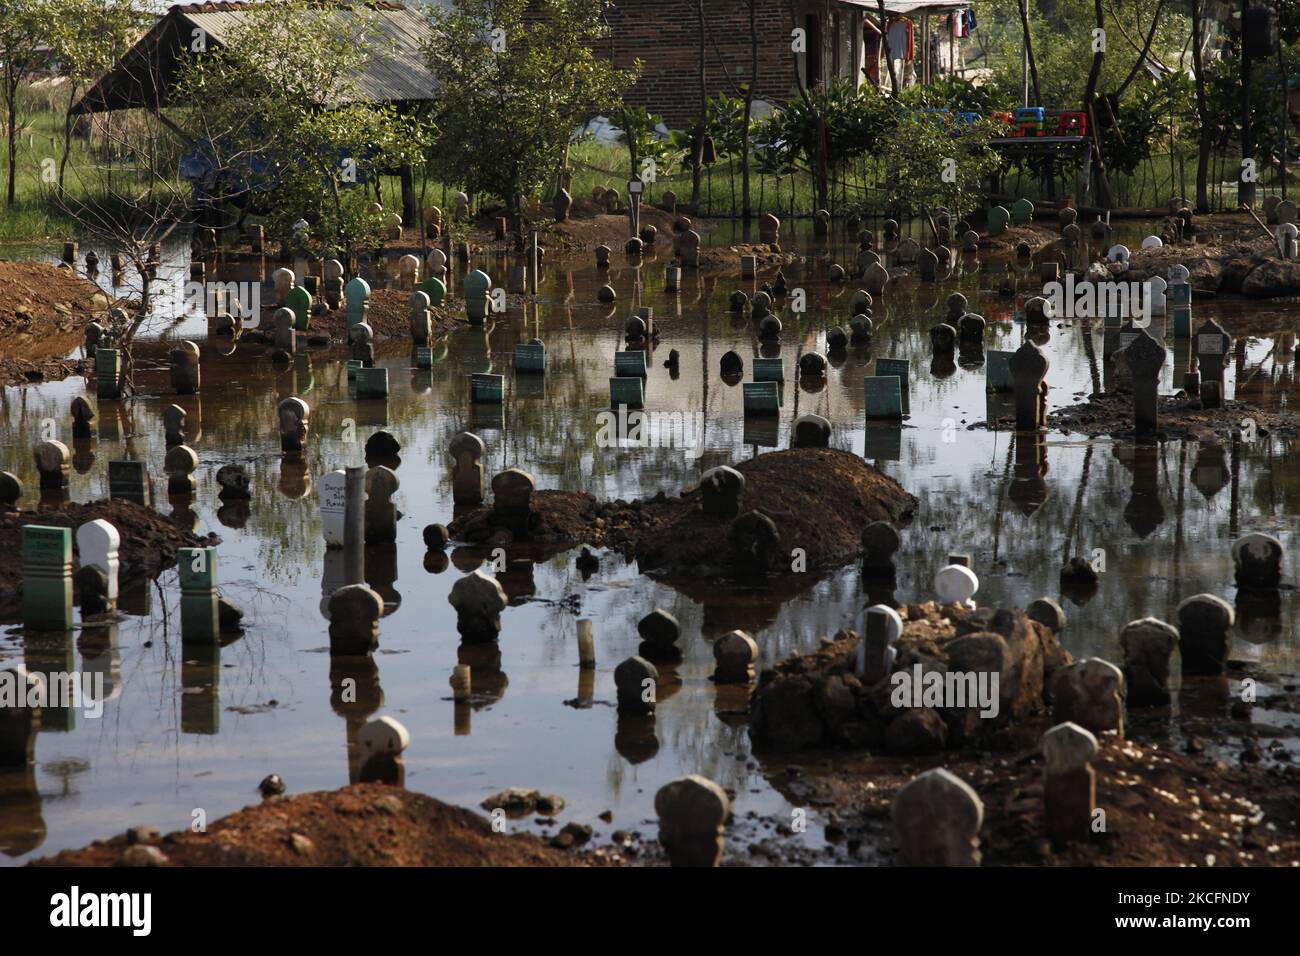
(396, 70)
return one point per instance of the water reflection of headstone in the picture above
(1210, 471)
(484, 662)
(1144, 512)
(51, 655)
(201, 694)
(19, 723)
(1028, 486)
(883, 442)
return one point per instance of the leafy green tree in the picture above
(515, 78)
(22, 30)
(85, 37)
(932, 161)
(277, 110)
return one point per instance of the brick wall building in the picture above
(841, 36)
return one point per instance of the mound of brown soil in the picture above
(819, 499)
(43, 313)
(361, 825)
(1179, 416)
(1038, 237)
(727, 258)
(149, 540)
(1163, 808)
(817, 701)
(389, 316)
(589, 226)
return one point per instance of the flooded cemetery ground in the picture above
(812, 755)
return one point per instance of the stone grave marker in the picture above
(937, 819)
(47, 578)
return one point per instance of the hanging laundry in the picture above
(902, 39)
(970, 21)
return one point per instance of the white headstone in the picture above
(956, 584)
(1152, 242)
(1118, 253)
(97, 544)
(382, 736)
(1156, 287)
(333, 497)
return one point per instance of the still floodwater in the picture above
(175, 737)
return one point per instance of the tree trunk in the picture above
(1029, 51)
(747, 213)
(697, 148)
(1104, 197)
(1245, 188)
(11, 101)
(1202, 111)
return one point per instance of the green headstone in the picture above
(435, 289)
(198, 573)
(1182, 321)
(999, 217)
(353, 365)
(357, 294)
(898, 367)
(997, 371)
(298, 300)
(1022, 212)
(883, 396)
(128, 481)
(108, 373)
(762, 398)
(47, 578)
(530, 358)
(769, 370)
(629, 391)
(424, 357)
(478, 284)
(486, 389)
(630, 363)
(372, 383)
(1179, 293)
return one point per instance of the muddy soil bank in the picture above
(816, 701)
(43, 312)
(819, 499)
(1209, 787)
(1039, 237)
(1180, 416)
(1250, 267)
(361, 825)
(388, 315)
(1163, 807)
(149, 540)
